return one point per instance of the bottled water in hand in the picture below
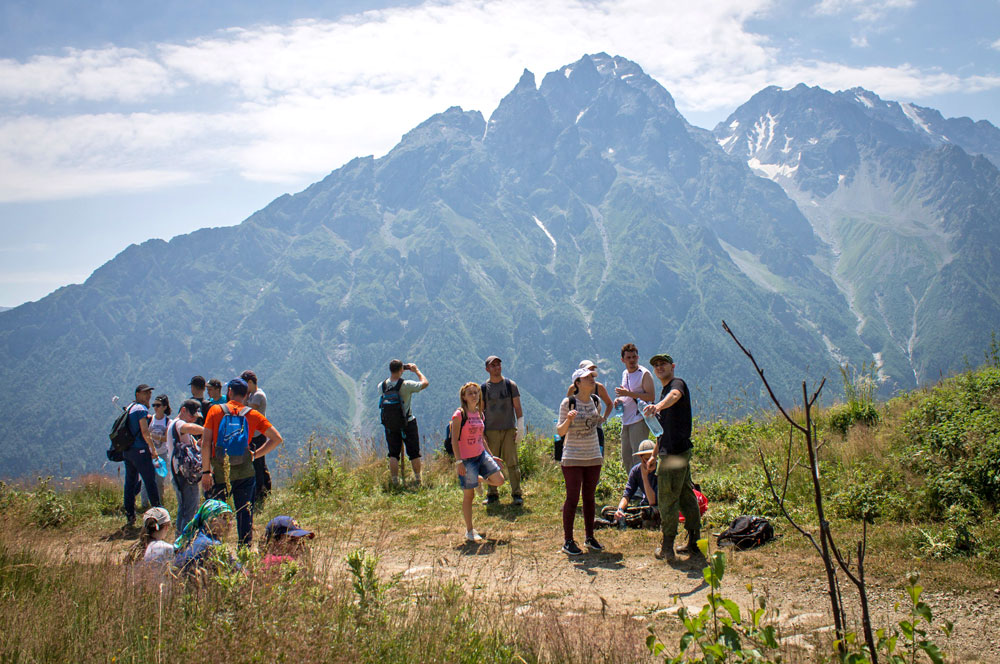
(619, 409)
(160, 467)
(651, 421)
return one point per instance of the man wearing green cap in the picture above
(674, 491)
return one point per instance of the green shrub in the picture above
(868, 493)
(533, 454)
(50, 510)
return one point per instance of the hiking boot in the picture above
(593, 544)
(692, 543)
(473, 536)
(491, 499)
(666, 550)
(571, 549)
(517, 500)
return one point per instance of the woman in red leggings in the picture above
(579, 418)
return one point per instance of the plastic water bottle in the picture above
(160, 467)
(651, 421)
(619, 409)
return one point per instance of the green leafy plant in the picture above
(368, 587)
(721, 632)
(51, 510)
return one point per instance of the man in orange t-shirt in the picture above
(242, 479)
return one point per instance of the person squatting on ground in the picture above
(151, 546)
(581, 459)
(139, 457)
(675, 491)
(475, 459)
(397, 418)
(182, 444)
(636, 383)
(202, 537)
(504, 426)
(257, 400)
(243, 422)
(284, 541)
(642, 481)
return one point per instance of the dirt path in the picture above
(523, 572)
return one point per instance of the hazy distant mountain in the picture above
(584, 214)
(2, 309)
(905, 208)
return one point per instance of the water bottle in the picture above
(651, 421)
(619, 409)
(160, 467)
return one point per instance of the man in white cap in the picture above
(641, 481)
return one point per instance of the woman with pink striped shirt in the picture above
(474, 458)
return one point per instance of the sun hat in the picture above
(645, 447)
(160, 515)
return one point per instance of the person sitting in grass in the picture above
(284, 541)
(641, 484)
(474, 458)
(151, 547)
(199, 546)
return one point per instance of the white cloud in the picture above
(289, 103)
(866, 11)
(995, 45)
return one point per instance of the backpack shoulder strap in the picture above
(572, 403)
(245, 410)
(510, 392)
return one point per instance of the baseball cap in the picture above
(197, 381)
(586, 364)
(661, 357)
(215, 382)
(238, 385)
(160, 515)
(285, 526)
(580, 373)
(143, 388)
(249, 375)
(491, 359)
(645, 447)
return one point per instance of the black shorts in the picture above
(409, 436)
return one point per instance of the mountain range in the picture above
(586, 212)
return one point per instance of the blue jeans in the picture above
(139, 464)
(243, 491)
(188, 500)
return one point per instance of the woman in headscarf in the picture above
(202, 534)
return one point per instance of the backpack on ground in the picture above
(121, 435)
(234, 432)
(636, 516)
(187, 460)
(390, 403)
(557, 442)
(448, 446)
(747, 532)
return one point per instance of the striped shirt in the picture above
(580, 446)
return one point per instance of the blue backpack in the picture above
(234, 432)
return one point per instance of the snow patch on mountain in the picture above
(552, 262)
(915, 117)
(773, 171)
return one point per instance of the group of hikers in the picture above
(488, 424)
(215, 450)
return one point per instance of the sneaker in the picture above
(571, 549)
(593, 544)
(473, 536)
(491, 499)
(517, 500)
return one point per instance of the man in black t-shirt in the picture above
(672, 454)
(197, 386)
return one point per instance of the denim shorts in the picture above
(482, 465)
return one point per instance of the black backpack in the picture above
(391, 405)
(121, 436)
(747, 532)
(448, 447)
(557, 442)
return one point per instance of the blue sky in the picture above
(125, 121)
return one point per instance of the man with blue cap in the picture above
(229, 427)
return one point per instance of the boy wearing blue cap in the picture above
(229, 428)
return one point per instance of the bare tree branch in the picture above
(760, 372)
